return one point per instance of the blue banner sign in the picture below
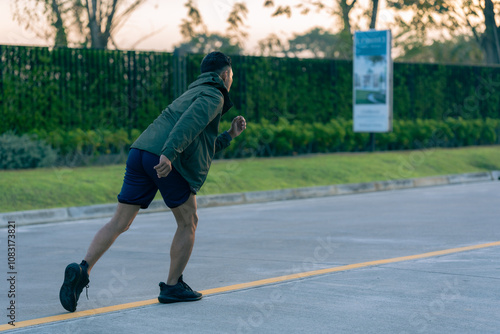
(372, 81)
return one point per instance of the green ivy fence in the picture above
(46, 89)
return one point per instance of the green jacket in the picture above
(186, 132)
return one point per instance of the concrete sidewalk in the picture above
(107, 210)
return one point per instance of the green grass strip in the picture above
(62, 187)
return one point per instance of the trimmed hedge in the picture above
(284, 138)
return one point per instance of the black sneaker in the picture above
(181, 292)
(75, 279)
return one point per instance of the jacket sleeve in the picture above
(192, 122)
(223, 141)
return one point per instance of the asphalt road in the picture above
(458, 292)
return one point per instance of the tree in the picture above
(490, 41)
(235, 20)
(197, 38)
(472, 18)
(271, 46)
(340, 9)
(89, 23)
(192, 25)
(203, 44)
(374, 14)
(321, 43)
(457, 50)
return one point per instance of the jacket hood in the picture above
(213, 79)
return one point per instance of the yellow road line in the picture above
(80, 314)
(346, 267)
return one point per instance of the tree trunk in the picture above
(345, 10)
(61, 39)
(109, 24)
(491, 42)
(96, 41)
(373, 22)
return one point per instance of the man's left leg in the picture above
(182, 245)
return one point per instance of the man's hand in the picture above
(238, 125)
(164, 167)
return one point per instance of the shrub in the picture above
(263, 139)
(285, 138)
(26, 151)
(90, 142)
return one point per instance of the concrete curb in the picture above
(107, 210)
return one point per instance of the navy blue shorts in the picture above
(141, 182)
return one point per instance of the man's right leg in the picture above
(183, 242)
(76, 276)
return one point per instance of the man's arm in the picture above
(238, 125)
(192, 122)
(188, 127)
(164, 167)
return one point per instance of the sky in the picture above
(165, 17)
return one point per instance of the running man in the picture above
(172, 155)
